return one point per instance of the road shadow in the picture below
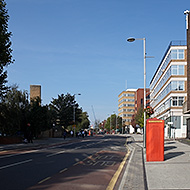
(170, 142)
(166, 148)
(171, 155)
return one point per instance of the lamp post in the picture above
(110, 123)
(74, 113)
(144, 47)
(115, 121)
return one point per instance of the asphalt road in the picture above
(88, 164)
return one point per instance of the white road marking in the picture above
(15, 164)
(11, 155)
(54, 154)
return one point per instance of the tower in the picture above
(35, 91)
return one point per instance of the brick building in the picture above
(139, 98)
(35, 91)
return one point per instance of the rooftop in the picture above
(172, 43)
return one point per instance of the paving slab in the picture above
(172, 173)
(134, 177)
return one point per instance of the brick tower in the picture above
(35, 91)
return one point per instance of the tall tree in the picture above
(139, 117)
(85, 123)
(66, 109)
(39, 117)
(14, 111)
(5, 46)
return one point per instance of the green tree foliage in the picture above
(14, 111)
(64, 108)
(139, 117)
(18, 116)
(84, 124)
(39, 117)
(5, 47)
(113, 122)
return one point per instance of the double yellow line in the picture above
(117, 173)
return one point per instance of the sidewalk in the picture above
(173, 173)
(134, 177)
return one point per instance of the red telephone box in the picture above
(154, 140)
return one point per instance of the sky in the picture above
(79, 46)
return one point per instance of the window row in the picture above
(126, 100)
(127, 115)
(125, 95)
(173, 70)
(127, 105)
(126, 120)
(173, 101)
(172, 86)
(127, 110)
(173, 55)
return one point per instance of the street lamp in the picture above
(110, 124)
(74, 112)
(115, 121)
(144, 44)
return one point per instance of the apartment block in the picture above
(126, 105)
(168, 90)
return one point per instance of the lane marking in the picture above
(117, 173)
(54, 154)
(15, 164)
(63, 170)
(76, 163)
(44, 180)
(11, 155)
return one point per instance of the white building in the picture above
(169, 90)
(126, 107)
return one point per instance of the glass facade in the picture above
(174, 54)
(172, 86)
(173, 70)
(168, 90)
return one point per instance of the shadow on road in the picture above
(172, 155)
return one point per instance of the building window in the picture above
(174, 101)
(181, 69)
(180, 101)
(174, 69)
(176, 121)
(177, 85)
(185, 120)
(177, 70)
(177, 101)
(177, 54)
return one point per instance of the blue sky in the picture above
(79, 46)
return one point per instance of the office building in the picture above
(169, 90)
(126, 105)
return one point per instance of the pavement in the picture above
(171, 174)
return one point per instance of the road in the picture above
(91, 163)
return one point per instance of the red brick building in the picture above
(139, 98)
